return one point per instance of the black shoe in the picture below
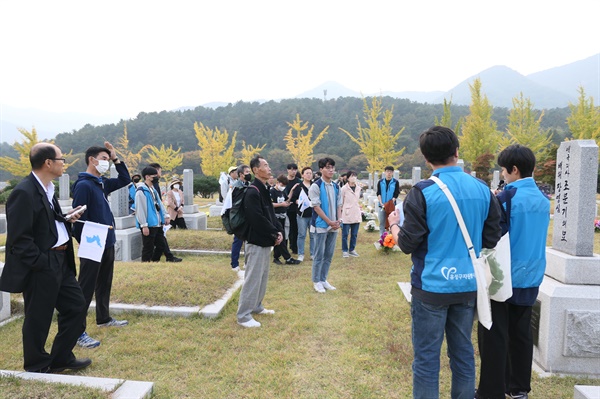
(292, 261)
(174, 259)
(43, 370)
(277, 261)
(77, 364)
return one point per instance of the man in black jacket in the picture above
(263, 233)
(40, 263)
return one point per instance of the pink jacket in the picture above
(350, 204)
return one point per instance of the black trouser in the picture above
(293, 236)
(96, 278)
(178, 222)
(281, 249)
(54, 287)
(506, 351)
(153, 245)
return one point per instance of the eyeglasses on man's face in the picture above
(59, 159)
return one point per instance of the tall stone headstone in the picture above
(64, 193)
(473, 173)
(495, 180)
(194, 220)
(461, 164)
(416, 175)
(575, 197)
(396, 174)
(566, 316)
(375, 179)
(371, 184)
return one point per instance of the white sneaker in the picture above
(235, 269)
(250, 323)
(345, 254)
(354, 253)
(301, 258)
(319, 287)
(327, 286)
(267, 311)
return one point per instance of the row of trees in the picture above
(377, 135)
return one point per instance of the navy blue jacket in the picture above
(93, 191)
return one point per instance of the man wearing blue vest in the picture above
(326, 220)
(443, 282)
(388, 190)
(506, 349)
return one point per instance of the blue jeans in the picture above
(429, 322)
(236, 247)
(303, 226)
(324, 249)
(353, 228)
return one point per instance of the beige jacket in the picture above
(172, 203)
(350, 204)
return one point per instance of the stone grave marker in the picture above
(416, 175)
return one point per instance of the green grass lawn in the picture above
(350, 343)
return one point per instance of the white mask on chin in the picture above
(176, 186)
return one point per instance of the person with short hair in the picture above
(506, 350)
(326, 220)
(135, 180)
(40, 263)
(444, 288)
(263, 233)
(293, 181)
(150, 216)
(281, 203)
(156, 183)
(388, 190)
(92, 189)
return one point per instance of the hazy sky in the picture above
(123, 57)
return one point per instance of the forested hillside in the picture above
(265, 123)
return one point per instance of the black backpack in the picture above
(234, 218)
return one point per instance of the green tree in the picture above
(584, 121)
(214, 154)
(479, 134)
(21, 167)
(524, 128)
(447, 117)
(167, 158)
(376, 140)
(299, 143)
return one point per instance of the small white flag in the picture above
(303, 201)
(93, 241)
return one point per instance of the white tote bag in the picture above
(500, 278)
(480, 265)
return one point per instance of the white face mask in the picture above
(176, 186)
(102, 166)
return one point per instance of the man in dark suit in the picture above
(40, 263)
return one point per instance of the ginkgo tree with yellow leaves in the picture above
(376, 140)
(248, 152)
(215, 154)
(298, 141)
(168, 159)
(524, 128)
(131, 159)
(21, 167)
(584, 121)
